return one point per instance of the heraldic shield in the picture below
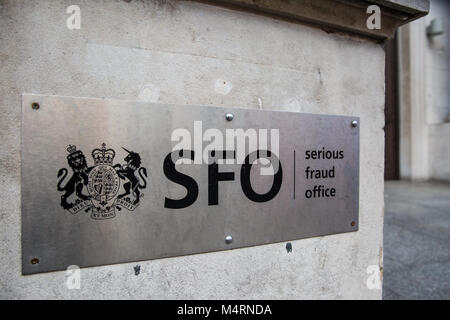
(102, 182)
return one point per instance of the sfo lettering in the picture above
(214, 177)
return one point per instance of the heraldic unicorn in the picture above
(102, 182)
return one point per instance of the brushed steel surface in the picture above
(58, 238)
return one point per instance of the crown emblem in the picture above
(103, 156)
(71, 149)
(73, 152)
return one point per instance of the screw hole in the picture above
(289, 247)
(34, 261)
(353, 223)
(137, 269)
(35, 105)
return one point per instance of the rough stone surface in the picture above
(175, 52)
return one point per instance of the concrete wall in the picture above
(425, 97)
(192, 53)
(414, 155)
(439, 148)
(438, 92)
(437, 65)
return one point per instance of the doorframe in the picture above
(391, 112)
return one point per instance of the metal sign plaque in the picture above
(107, 181)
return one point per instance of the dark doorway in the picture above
(391, 112)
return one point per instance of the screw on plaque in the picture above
(354, 123)
(35, 106)
(34, 261)
(229, 116)
(228, 239)
(289, 247)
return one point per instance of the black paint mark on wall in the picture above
(137, 269)
(289, 247)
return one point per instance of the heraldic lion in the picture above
(76, 161)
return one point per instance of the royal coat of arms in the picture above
(96, 189)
